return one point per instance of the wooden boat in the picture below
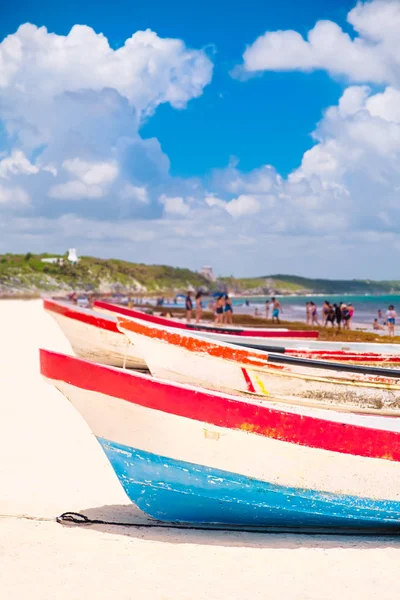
(188, 358)
(292, 343)
(193, 457)
(94, 336)
(225, 332)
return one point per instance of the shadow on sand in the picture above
(132, 518)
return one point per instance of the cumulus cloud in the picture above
(174, 205)
(72, 108)
(13, 196)
(372, 56)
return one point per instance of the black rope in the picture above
(80, 519)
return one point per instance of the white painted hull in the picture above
(217, 447)
(186, 455)
(99, 345)
(304, 384)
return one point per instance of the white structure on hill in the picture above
(208, 273)
(53, 260)
(72, 257)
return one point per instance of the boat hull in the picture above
(183, 455)
(180, 356)
(95, 338)
(232, 333)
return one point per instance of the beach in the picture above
(51, 463)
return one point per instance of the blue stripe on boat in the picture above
(174, 490)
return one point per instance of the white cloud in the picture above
(75, 190)
(15, 164)
(373, 56)
(147, 70)
(133, 192)
(13, 196)
(92, 173)
(76, 105)
(243, 205)
(174, 205)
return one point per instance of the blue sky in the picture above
(269, 120)
(204, 151)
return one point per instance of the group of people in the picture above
(334, 314)
(390, 320)
(222, 308)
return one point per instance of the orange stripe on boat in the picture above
(193, 344)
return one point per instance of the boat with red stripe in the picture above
(190, 358)
(94, 335)
(194, 457)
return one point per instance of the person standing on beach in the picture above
(390, 317)
(325, 312)
(198, 307)
(308, 313)
(267, 310)
(228, 310)
(338, 313)
(276, 308)
(331, 316)
(314, 314)
(188, 306)
(219, 310)
(345, 316)
(351, 311)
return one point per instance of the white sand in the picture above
(50, 463)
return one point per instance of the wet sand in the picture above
(51, 463)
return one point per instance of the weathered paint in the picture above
(221, 410)
(94, 338)
(333, 469)
(187, 358)
(179, 491)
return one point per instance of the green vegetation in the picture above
(291, 284)
(29, 273)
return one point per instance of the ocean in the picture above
(366, 307)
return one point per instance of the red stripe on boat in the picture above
(85, 317)
(222, 411)
(249, 383)
(130, 312)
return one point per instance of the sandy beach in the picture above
(51, 463)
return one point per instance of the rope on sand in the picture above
(80, 519)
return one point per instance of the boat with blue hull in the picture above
(190, 456)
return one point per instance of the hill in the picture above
(28, 274)
(292, 284)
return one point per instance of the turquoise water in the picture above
(366, 307)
